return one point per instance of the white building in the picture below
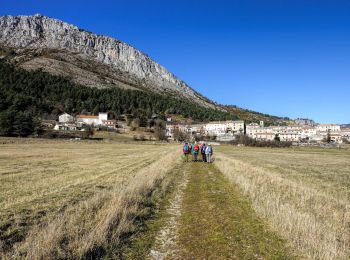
(317, 138)
(308, 132)
(65, 118)
(252, 129)
(328, 127)
(345, 133)
(264, 136)
(93, 120)
(289, 137)
(196, 129)
(219, 128)
(169, 130)
(336, 137)
(112, 124)
(237, 127)
(65, 127)
(215, 128)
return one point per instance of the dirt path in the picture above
(209, 219)
(165, 246)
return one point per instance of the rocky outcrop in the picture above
(68, 47)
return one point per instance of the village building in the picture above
(65, 127)
(226, 130)
(65, 118)
(328, 127)
(93, 120)
(218, 128)
(252, 129)
(237, 127)
(289, 137)
(169, 131)
(336, 137)
(196, 129)
(112, 124)
(308, 133)
(215, 128)
(264, 136)
(183, 128)
(345, 133)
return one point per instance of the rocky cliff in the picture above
(99, 61)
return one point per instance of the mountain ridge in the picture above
(62, 49)
(65, 49)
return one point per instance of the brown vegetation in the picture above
(76, 199)
(304, 194)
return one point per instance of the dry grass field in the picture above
(93, 199)
(64, 199)
(304, 194)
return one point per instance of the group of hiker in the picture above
(195, 149)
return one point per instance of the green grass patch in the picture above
(217, 222)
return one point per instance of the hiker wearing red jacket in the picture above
(195, 151)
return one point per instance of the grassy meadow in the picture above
(62, 198)
(86, 199)
(303, 193)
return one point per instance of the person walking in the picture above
(186, 151)
(209, 153)
(195, 151)
(204, 157)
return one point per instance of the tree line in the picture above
(27, 96)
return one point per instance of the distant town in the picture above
(301, 131)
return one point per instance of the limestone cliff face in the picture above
(66, 48)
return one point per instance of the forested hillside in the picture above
(26, 96)
(253, 116)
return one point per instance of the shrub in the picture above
(88, 132)
(247, 141)
(181, 136)
(159, 133)
(346, 141)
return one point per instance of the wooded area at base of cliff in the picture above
(26, 96)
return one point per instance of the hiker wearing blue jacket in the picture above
(209, 153)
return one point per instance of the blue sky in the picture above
(286, 58)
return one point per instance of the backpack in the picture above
(196, 148)
(203, 149)
(186, 148)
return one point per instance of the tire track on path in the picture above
(165, 246)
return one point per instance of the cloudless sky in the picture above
(286, 58)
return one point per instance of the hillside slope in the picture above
(89, 59)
